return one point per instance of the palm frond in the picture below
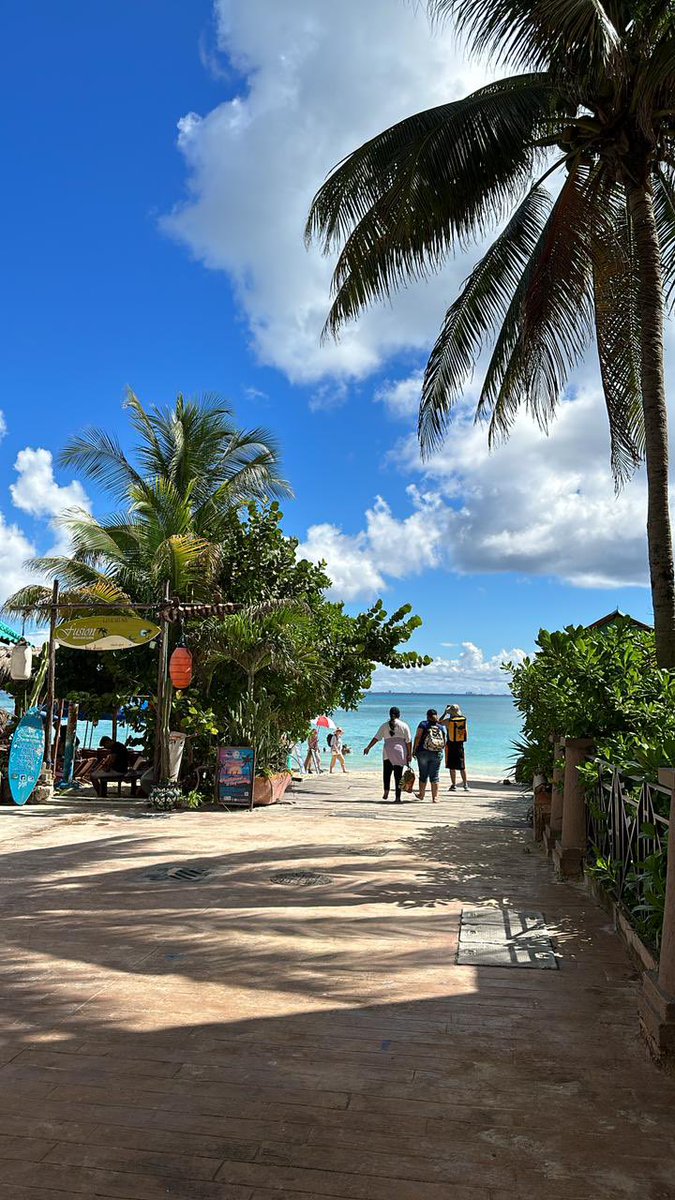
(550, 319)
(34, 601)
(150, 450)
(434, 181)
(617, 323)
(577, 35)
(664, 208)
(475, 314)
(100, 457)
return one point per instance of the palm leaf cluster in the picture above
(559, 158)
(192, 470)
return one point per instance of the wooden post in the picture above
(57, 738)
(657, 1002)
(569, 853)
(71, 741)
(51, 672)
(163, 695)
(554, 828)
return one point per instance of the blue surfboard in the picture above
(26, 756)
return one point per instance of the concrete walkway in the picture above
(229, 1037)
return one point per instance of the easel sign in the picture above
(234, 776)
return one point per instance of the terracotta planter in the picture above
(269, 791)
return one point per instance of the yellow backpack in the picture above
(457, 730)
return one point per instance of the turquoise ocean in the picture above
(493, 724)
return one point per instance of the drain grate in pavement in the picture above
(181, 872)
(504, 937)
(300, 878)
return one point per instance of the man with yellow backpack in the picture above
(457, 732)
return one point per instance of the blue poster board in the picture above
(26, 756)
(235, 775)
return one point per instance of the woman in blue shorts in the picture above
(429, 749)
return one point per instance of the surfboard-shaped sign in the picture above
(26, 756)
(102, 632)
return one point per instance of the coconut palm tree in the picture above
(191, 471)
(572, 158)
(194, 450)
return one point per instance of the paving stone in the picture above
(229, 1040)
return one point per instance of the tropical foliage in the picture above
(599, 683)
(573, 158)
(196, 507)
(604, 684)
(175, 497)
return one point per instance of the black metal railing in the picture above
(627, 828)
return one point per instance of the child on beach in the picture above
(312, 760)
(336, 751)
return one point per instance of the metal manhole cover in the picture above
(181, 872)
(300, 878)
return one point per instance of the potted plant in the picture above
(255, 722)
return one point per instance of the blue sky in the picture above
(168, 257)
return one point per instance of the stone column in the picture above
(570, 851)
(657, 1002)
(554, 827)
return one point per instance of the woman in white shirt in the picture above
(396, 751)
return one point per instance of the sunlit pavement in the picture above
(265, 1006)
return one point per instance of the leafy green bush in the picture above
(605, 684)
(599, 683)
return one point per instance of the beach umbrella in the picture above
(323, 723)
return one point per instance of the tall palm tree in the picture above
(191, 470)
(591, 114)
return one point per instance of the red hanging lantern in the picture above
(180, 667)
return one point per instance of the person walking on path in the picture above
(312, 760)
(430, 740)
(336, 751)
(396, 750)
(457, 731)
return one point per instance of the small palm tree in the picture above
(591, 112)
(191, 470)
(194, 450)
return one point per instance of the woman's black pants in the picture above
(389, 769)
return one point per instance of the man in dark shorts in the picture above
(455, 725)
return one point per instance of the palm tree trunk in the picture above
(659, 535)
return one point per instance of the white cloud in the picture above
(15, 548)
(470, 671)
(36, 493)
(541, 505)
(388, 547)
(3, 425)
(349, 563)
(36, 490)
(319, 80)
(401, 397)
(534, 506)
